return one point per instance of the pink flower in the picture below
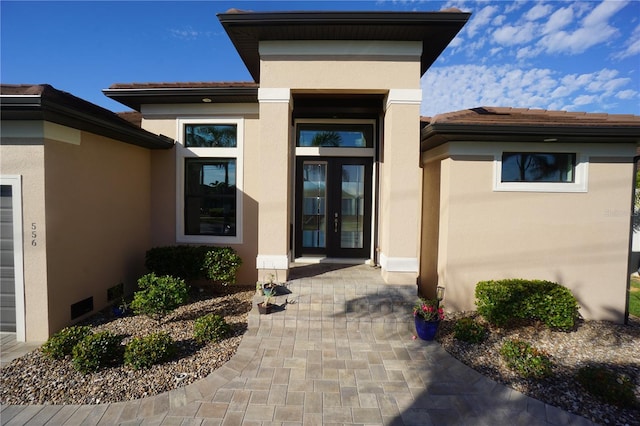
(414, 337)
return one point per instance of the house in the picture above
(322, 158)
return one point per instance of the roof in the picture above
(528, 125)
(434, 29)
(44, 102)
(134, 95)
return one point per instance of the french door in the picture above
(333, 207)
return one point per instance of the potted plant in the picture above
(266, 307)
(427, 314)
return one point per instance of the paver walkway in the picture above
(340, 353)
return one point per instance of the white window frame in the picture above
(183, 152)
(579, 183)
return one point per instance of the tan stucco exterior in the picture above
(580, 239)
(87, 200)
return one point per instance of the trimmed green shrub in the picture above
(210, 328)
(61, 344)
(505, 300)
(528, 361)
(612, 388)
(221, 265)
(96, 351)
(143, 352)
(159, 295)
(177, 261)
(468, 330)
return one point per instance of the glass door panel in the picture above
(352, 202)
(314, 195)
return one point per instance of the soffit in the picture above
(434, 29)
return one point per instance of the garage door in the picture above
(7, 267)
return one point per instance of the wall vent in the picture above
(82, 307)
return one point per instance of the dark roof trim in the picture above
(134, 96)
(434, 29)
(44, 102)
(433, 135)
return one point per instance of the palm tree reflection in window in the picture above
(327, 138)
(538, 167)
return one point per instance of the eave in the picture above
(67, 110)
(135, 97)
(434, 29)
(433, 135)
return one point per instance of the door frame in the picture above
(15, 181)
(333, 204)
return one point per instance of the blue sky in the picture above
(563, 55)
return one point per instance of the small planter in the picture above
(426, 330)
(119, 312)
(265, 309)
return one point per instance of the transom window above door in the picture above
(335, 135)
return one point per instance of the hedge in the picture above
(504, 300)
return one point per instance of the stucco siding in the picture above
(98, 220)
(580, 240)
(25, 157)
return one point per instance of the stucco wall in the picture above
(163, 178)
(580, 240)
(98, 210)
(25, 157)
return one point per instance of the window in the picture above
(538, 167)
(209, 175)
(540, 171)
(210, 196)
(335, 135)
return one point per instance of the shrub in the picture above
(210, 328)
(616, 389)
(505, 300)
(221, 265)
(468, 330)
(143, 352)
(178, 261)
(61, 344)
(96, 351)
(159, 295)
(528, 361)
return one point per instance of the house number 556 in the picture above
(34, 234)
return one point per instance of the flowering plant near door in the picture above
(428, 310)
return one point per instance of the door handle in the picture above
(335, 222)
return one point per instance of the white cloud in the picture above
(457, 87)
(627, 94)
(631, 45)
(498, 20)
(594, 29)
(480, 19)
(510, 35)
(187, 33)
(558, 20)
(538, 11)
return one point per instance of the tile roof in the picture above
(533, 117)
(185, 85)
(528, 125)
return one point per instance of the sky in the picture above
(554, 55)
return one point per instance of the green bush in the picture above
(61, 344)
(159, 295)
(468, 330)
(616, 389)
(221, 265)
(505, 300)
(96, 351)
(528, 361)
(210, 328)
(177, 261)
(143, 352)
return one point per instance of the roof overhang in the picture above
(434, 29)
(134, 96)
(46, 103)
(433, 135)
